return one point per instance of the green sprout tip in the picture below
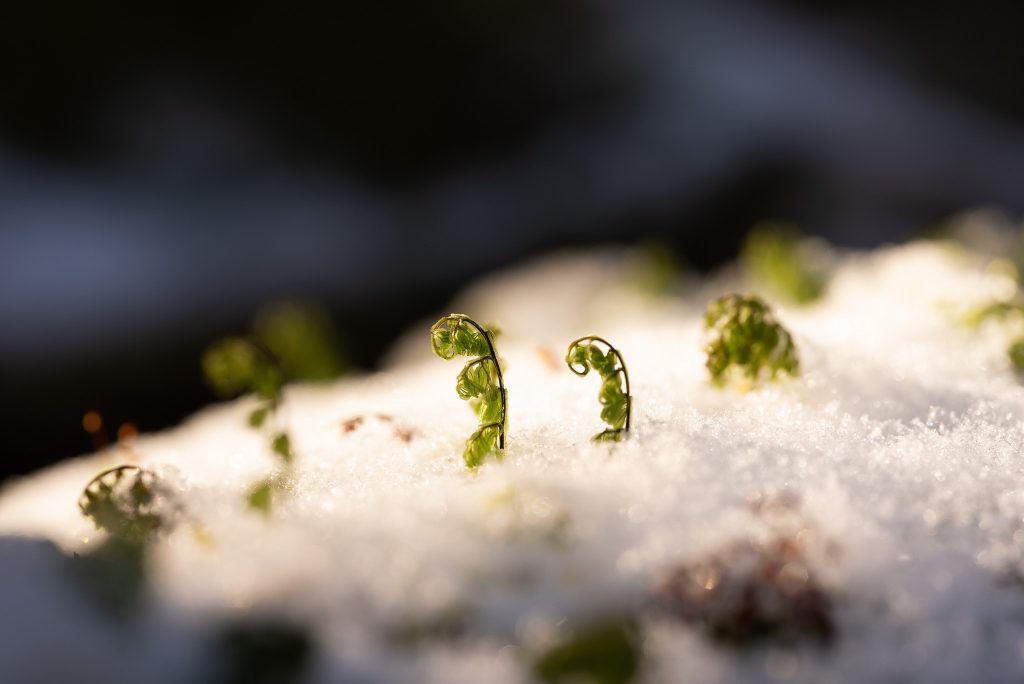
(480, 382)
(585, 354)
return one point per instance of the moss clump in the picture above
(745, 341)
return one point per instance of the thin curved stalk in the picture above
(122, 500)
(493, 357)
(582, 369)
(120, 470)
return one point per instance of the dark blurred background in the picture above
(166, 168)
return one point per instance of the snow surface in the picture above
(901, 441)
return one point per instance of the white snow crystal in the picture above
(901, 443)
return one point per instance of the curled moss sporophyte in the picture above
(597, 353)
(126, 502)
(745, 344)
(134, 508)
(480, 382)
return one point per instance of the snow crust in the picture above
(901, 442)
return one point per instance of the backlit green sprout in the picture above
(126, 503)
(776, 255)
(585, 354)
(238, 364)
(745, 342)
(291, 341)
(480, 382)
(132, 507)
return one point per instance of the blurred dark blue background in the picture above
(165, 168)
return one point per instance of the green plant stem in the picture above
(497, 368)
(622, 369)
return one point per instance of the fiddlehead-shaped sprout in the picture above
(480, 382)
(238, 364)
(617, 403)
(128, 503)
(133, 506)
(745, 340)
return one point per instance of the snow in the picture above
(899, 446)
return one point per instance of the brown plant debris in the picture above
(400, 432)
(757, 590)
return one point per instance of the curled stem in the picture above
(448, 341)
(111, 476)
(125, 502)
(581, 357)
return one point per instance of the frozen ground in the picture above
(898, 450)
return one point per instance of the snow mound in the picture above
(884, 483)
